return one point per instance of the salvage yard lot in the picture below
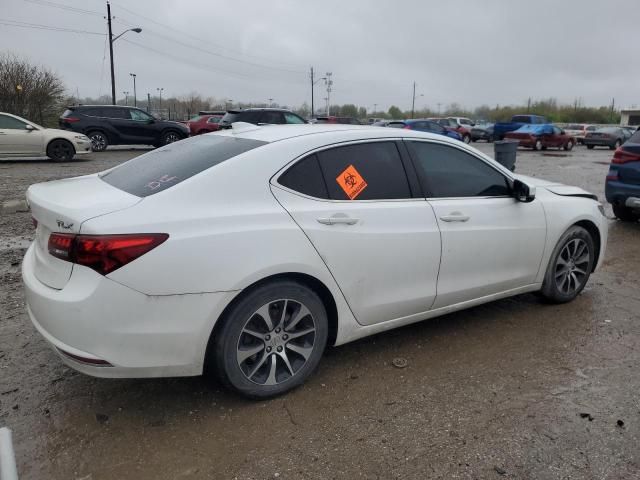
(511, 389)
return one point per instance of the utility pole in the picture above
(375, 108)
(135, 97)
(613, 104)
(329, 83)
(148, 103)
(113, 76)
(312, 84)
(529, 105)
(160, 89)
(413, 100)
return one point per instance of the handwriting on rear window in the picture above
(155, 184)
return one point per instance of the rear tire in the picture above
(466, 139)
(99, 141)
(538, 146)
(590, 147)
(568, 146)
(569, 267)
(60, 150)
(261, 358)
(625, 214)
(616, 145)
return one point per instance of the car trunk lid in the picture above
(61, 207)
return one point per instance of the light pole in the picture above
(413, 101)
(160, 89)
(228, 104)
(329, 84)
(135, 97)
(111, 40)
(126, 98)
(270, 101)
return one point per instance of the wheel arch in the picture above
(594, 231)
(309, 281)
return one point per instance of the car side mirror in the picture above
(522, 192)
(29, 128)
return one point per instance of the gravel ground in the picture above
(511, 389)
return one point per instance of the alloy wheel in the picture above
(571, 270)
(276, 342)
(170, 138)
(98, 142)
(61, 150)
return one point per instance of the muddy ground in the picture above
(512, 389)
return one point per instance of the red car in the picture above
(453, 125)
(541, 137)
(204, 123)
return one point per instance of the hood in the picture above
(56, 132)
(536, 182)
(557, 188)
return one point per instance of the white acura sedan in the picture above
(21, 138)
(249, 251)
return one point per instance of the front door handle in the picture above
(338, 219)
(455, 217)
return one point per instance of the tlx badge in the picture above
(66, 226)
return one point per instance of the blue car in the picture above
(622, 187)
(424, 126)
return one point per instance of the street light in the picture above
(126, 98)
(160, 90)
(111, 40)
(135, 97)
(228, 103)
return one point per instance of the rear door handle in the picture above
(338, 219)
(455, 217)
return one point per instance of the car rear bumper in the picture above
(598, 142)
(94, 319)
(622, 194)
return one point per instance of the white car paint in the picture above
(234, 224)
(27, 139)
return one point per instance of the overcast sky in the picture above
(472, 52)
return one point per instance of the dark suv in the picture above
(117, 125)
(260, 116)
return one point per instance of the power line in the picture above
(37, 26)
(209, 52)
(64, 7)
(187, 34)
(197, 65)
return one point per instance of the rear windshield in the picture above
(249, 117)
(165, 167)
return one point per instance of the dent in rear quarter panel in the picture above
(562, 212)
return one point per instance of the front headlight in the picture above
(81, 137)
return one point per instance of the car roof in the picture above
(71, 107)
(254, 109)
(275, 133)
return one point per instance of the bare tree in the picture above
(30, 91)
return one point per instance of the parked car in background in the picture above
(21, 138)
(340, 120)
(612, 137)
(464, 122)
(204, 124)
(452, 124)
(247, 253)
(120, 125)
(381, 123)
(424, 125)
(517, 121)
(630, 129)
(622, 187)
(541, 137)
(261, 116)
(482, 131)
(579, 130)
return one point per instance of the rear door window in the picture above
(272, 118)
(365, 171)
(160, 169)
(118, 113)
(305, 177)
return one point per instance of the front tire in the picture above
(568, 146)
(60, 151)
(590, 147)
(537, 146)
(616, 145)
(625, 214)
(569, 267)
(271, 340)
(466, 139)
(170, 137)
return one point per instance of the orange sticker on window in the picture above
(351, 182)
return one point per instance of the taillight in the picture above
(71, 119)
(103, 253)
(624, 156)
